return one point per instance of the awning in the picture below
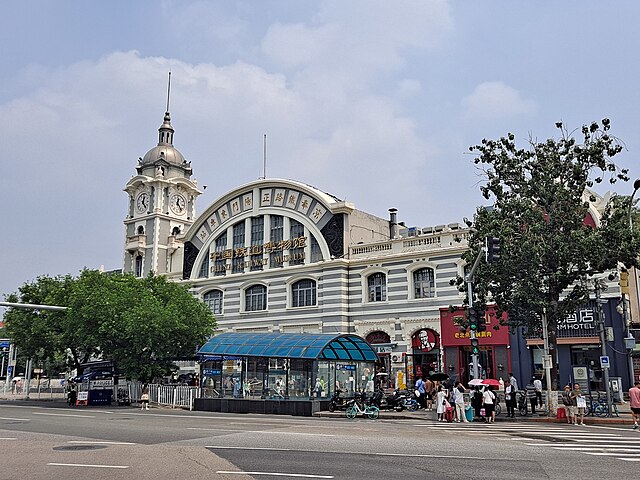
(291, 345)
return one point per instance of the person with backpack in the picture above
(421, 393)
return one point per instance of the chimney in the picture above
(393, 223)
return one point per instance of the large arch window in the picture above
(255, 298)
(377, 287)
(204, 268)
(213, 300)
(303, 293)
(423, 283)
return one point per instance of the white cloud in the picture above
(496, 100)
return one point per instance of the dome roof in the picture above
(168, 153)
(165, 149)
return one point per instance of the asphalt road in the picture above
(45, 441)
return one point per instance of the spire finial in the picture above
(168, 90)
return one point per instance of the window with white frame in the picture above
(377, 287)
(255, 298)
(213, 299)
(423, 283)
(303, 293)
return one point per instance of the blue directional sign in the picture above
(604, 361)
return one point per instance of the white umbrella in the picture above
(475, 382)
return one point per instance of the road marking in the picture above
(226, 447)
(582, 447)
(416, 455)
(311, 434)
(86, 465)
(609, 454)
(101, 443)
(629, 459)
(8, 438)
(274, 474)
(16, 419)
(63, 415)
(585, 449)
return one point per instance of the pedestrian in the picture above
(513, 382)
(459, 402)
(476, 402)
(428, 393)
(144, 400)
(72, 394)
(580, 403)
(318, 388)
(489, 404)
(567, 401)
(441, 403)
(510, 399)
(634, 401)
(531, 396)
(538, 385)
(421, 393)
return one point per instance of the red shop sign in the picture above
(454, 336)
(424, 340)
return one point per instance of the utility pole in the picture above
(547, 359)
(603, 344)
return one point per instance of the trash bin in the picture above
(468, 412)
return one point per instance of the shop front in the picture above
(494, 358)
(281, 373)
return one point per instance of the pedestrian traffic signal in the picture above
(473, 319)
(475, 348)
(482, 324)
(492, 249)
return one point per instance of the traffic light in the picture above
(473, 319)
(482, 324)
(492, 249)
(475, 348)
(624, 283)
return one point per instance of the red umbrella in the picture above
(491, 381)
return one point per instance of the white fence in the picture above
(172, 395)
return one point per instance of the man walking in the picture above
(459, 403)
(510, 399)
(531, 396)
(421, 393)
(538, 386)
(513, 382)
(634, 400)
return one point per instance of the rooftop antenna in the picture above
(264, 157)
(168, 90)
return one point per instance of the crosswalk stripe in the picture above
(605, 454)
(629, 459)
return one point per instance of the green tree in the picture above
(141, 324)
(541, 198)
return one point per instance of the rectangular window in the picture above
(277, 230)
(237, 263)
(296, 255)
(257, 239)
(220, 264)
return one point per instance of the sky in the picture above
(375, 102)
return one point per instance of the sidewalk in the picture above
(421, 415)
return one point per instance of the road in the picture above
(44, 441)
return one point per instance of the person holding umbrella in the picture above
(489, 404)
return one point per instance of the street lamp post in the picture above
(625, 309)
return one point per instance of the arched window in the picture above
(176, 231)
(377, 286)
(255, 298)
(140, 230)
(138, 268)
(204, 268)
(213, 299)
(423, 283)
(303, 293)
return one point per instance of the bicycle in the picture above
(355, 408)
(522, 403)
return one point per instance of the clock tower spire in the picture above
(161, 206)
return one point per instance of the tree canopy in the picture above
(142, 324)
(542, 205)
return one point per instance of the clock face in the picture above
(142, 202)
(178, 204)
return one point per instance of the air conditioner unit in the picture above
(396, 358)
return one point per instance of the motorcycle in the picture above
(398, 401)
(337, 402)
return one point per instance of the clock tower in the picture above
(161, 208)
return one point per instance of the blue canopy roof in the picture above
(290, 345)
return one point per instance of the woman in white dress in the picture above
(441, 402)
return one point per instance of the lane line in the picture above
(8, 438)
(86, 465)
(582, 447)
(16, 419)
(605, 454)
(380, 454)
(63, 415)
(100, 443)
(274, 474)
(629, 459)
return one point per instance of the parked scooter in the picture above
(398, 401)
(337, 402)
